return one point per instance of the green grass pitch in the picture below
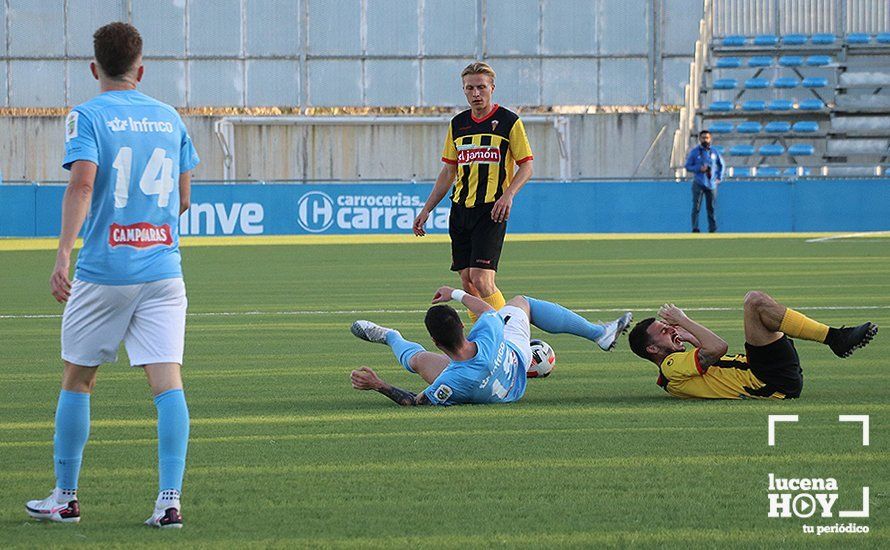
(285, 454)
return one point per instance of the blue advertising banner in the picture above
(554, 207)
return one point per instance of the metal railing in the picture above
(692, 91)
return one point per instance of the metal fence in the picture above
(372, 53)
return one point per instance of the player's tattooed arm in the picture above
(403, 397)
(364, 378)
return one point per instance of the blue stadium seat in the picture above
(792, 171)
(756, 83)
(778, 127)
(766, 40)
(720, 127)
(791, 61)
(794, 39)
(734, 40)
(824, 39)
(858, 38)
(815, 82)
(760, 61)
(883, 38)
(741, 150)
(741, 172)
(719, 149)
(729, 63)
(811, 105)
(806, 126)
(818, 61)
(780, 105)
(801, 150)
(725, 84)
(768, 172)
(771, 150)
(748, 127)
(786, 82)
(721, 106)
(754, 105)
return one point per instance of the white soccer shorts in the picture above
(518, 332)
(148, 317)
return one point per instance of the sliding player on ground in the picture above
(481, 147)
(130, 159)
(770, 367)
(487, 366)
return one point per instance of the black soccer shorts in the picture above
(476, 240)
(778, 366)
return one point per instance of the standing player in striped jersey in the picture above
(482, 145)
(130, 158)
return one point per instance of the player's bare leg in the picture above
(763, 316)
(521, 303)
(428, 365)
(766, 320)
(467, 283)
(165, 380)
(78, 379)
(482, 280)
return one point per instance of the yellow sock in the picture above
(496, 300)
(798, 325)
(472, 315)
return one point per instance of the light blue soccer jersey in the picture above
(140, 146)
(494, 375)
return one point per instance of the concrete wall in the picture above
(601, 145)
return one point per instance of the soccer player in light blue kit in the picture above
(487, 366)
(130, 159)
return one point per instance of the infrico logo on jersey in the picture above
(479, 155)
(140, 235)
(130, 124)
(317, 212)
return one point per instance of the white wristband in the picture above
(458, 295)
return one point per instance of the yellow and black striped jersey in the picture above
(681, 375)
(484, 151)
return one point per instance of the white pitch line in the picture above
(407, 311)
(849, 236)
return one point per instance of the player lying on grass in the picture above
(487, 366)
(770, 368)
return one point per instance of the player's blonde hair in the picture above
(478, 67)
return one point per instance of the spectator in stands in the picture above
(706, 166)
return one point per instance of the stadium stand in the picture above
(811, 103)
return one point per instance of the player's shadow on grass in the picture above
(634, 400)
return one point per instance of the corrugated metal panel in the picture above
(808, 16)
(871, 16)
(574, 41)
(746, 17)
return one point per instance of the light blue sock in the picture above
(72, 432)
(173, 438)
(403, 349)
(556, 319)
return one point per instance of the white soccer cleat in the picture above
(166, 514)
(616, 328)
(371, 332)
(55, 507)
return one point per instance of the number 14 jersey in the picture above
(140, 146)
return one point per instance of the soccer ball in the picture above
(543, 360)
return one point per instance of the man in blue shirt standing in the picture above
(130, 158)
(489, 365)
(706, 165)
